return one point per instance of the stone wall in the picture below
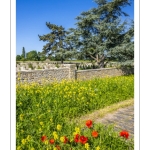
(39, 75)
(104, 72)
(69, 72)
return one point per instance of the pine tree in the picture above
(101, 30)
(56, 45)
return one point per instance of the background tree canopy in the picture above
(32, 55)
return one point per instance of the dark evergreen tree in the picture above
(101, 33)
(23, 53)
(56, 44)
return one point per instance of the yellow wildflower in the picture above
(41, 123)
(23, 141)
(32, 148)
(46, 142)
(55, 135)
(97, 148)
(62, 139)
(59, 127)
(54, 132)
(19, 148)
(87, 146)
(77, 130)
(32, 119)
(74, 133)
(28, 138)
(21, 116)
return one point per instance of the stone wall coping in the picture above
(38, 70)
(96, 69)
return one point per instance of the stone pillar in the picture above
(72, 72)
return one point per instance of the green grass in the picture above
(97, 114)
(40, 108)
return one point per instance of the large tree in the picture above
(100, 32)
(56, 45)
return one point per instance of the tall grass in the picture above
(40, 108)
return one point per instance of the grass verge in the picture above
(102, 112)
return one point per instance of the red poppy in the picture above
(124, 134)
(76, 138)
(83, 139)
(43, 138)
(65, 139)
(58, 147)
(89, 123)
(52, 141)
(95, 134)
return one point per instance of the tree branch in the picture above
(93, 57)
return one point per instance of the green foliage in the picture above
(39, 67)
(57, 65)
(32, 56)
(40, 108)
(101, 33)
(41, 56)
(18, 58)
(21, 57)
(56, 45)
(30, 66)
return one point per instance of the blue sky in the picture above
(32, 15)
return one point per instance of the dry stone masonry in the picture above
(51, 72)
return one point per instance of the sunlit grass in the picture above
(97, 114)
(40, 108)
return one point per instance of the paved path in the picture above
(123, 119)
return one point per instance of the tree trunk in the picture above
(61, 60)
(101, 62)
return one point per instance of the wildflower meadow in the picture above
(44, 113)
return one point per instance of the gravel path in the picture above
(123, 119)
